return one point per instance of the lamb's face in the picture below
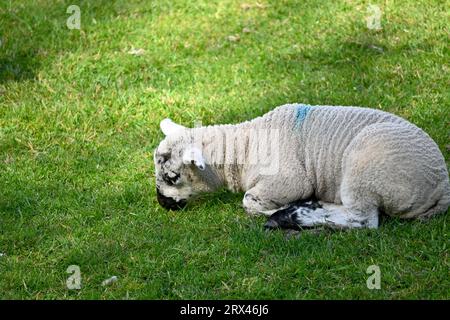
(178, 169)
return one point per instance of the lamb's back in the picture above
(316, 138)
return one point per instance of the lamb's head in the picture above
(179, 167)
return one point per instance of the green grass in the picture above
(79, 120)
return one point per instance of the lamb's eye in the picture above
(163, 158)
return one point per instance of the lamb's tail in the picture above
(440, 206)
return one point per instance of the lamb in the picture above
(357, 163)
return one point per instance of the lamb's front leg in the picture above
(271, 195)
(254, 205)
(300, 215)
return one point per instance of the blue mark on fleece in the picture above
(302, 112)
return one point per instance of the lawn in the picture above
(79, 120)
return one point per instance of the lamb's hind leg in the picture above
(328, 215)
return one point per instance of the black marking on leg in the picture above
(287, 218)
(283, 219)
(312, 204)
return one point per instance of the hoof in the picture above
(271, 225)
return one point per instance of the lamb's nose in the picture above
(169, 203)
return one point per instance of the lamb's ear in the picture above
(169, 127)
(193, 155)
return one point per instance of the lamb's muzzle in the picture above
(169, 203)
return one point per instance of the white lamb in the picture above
(357, 162)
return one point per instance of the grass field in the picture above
(79, 120)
